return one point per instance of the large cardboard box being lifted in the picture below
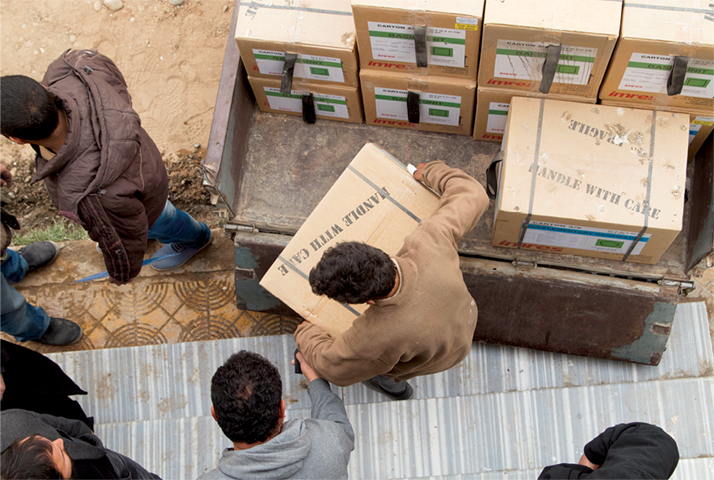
(386, 35)
(445, 105)
(375, 201)
(701, 122)
(320, 32)
(517, 35)
(591, 180)
(343, 104)
(492, 110)
(654, 33)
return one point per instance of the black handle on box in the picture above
(286, 81)
(420, 45)
(413, 107)
(298, 369)
(308, 108)
(492, 177)
(675, 81)
(550, 66)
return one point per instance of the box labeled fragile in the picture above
(376, 201)
(591, 180)
(320, 32)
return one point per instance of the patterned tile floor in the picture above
(192, 303)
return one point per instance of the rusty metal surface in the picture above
(542, 309)
(701, 226)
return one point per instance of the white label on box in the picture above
(325, 105)
(433, 107)
(313, 67)
(445, 46)
(696, 125)
(649, 73)
(524, 60)
(497, 116)
(583, 238)
(466, 23)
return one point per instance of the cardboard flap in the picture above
(375, 201)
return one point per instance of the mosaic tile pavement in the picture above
(193, 303)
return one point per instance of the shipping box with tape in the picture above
(591, 180)
(428, 103)
(343, 104)
(492, 110)
(375, 201)
(665, 55)
(421, 37)
(701, 122)
(319, 32)
(548, 46)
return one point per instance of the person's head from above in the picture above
(353, 272)
(246, 393)
(28, 111)
(36, 457)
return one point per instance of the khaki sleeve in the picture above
(463, 199)
(333, 359)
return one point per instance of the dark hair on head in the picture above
(246, 393)
(353, 272)
(29, 459)
(28, 111)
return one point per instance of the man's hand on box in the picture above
(419, 170)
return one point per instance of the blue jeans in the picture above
(20, 319)
(177, 226)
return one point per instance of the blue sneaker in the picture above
(180, 254)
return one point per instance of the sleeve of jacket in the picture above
(633, 450)
(328, 406)
(463, 199)
(122, 234)
(333, 359)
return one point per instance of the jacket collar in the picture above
(409, 278)
(68, 151)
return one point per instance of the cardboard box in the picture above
(446, 105)
(701, 122)
(385, 35)
(653, 33)
(591, 180)
(517, 33)
(492, 110)
(343, 104)
(320, 32)
(375, 201)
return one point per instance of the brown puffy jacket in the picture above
(108, 176)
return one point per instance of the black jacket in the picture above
(631, 451)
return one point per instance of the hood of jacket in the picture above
(102, 138)
(281, 457)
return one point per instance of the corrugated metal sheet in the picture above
(502, 409)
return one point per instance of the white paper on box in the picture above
(433, 107)
(325, 105)
(306, 66)
(583, 238)
(445, 46)
(375, 201)
(649, 73)
(524, 60)
(497, 116)
(696, 125)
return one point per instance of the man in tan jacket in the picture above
(421, 318)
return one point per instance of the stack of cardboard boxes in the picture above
(317, 39)
(537, 48)
(665, 61)
(419, 62)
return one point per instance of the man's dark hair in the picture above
(353, 272)
(29, 459)
(246, 393)
(28, 111)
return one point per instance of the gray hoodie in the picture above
(317, 447)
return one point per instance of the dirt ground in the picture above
(171, 57)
